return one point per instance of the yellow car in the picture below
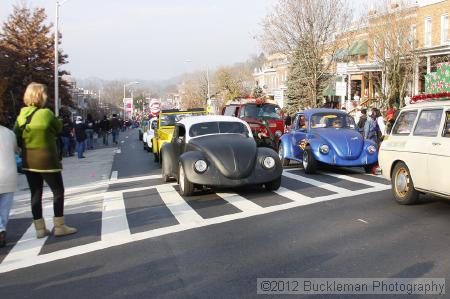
(166, 124)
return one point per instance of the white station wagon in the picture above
(416, 155)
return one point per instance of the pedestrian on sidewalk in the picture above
(104, 129)
(89, 132)
(36, 129)
(115, 127)
(371, 129)
(66, 135)
(362, 121)
(8, 175)
(80, 136)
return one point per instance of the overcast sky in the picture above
(152, 39)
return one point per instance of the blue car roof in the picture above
(310, 112)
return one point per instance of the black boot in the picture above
(2, 239)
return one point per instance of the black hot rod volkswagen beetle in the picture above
(218, 151)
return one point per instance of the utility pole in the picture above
(57, 60)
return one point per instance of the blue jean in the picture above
(80, 148)
(90, 138)
(6, 200)
(115, 135)
(66, 145)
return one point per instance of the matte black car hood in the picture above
(234, 155)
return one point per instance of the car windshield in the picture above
(169, 120)
(218, 127)
(332, 120)
(265, 111)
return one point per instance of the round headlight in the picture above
(268, 162)
(324, 149)
(371, 149)
(278, 134)
(200, 166)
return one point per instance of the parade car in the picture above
(259, 114)
(416, 155)
(142, 124)
(326, 136)
(166, 123)
(218, 151)
(149, 133)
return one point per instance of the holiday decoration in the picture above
(439, 81)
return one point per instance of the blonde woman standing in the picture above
(36, 129)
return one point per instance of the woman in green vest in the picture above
(37, 129)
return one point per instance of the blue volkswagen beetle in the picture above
(326, 136)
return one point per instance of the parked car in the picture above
(416, 155)
(218, 151)
(149, 133)
(166, 123)
(326, 136)
(141, 127)
(259, 114)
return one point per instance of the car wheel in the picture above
(273, 185)
(403, 186)
(165, 177)
(284, 161)
(155, 157)
(186, 187)
(308, 161)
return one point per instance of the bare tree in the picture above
(393, 45)
(305, 31)
(194, 90)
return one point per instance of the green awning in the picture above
(359, 48)
(340, 54)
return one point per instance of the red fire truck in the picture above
(259, 114)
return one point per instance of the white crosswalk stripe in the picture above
(319, 184)
(241, 203)
(115, 228)
(184, 214)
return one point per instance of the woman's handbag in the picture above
(22, 128)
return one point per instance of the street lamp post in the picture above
(128, 84)
(56, 46)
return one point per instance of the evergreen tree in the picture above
(304, 90)
(27, 54)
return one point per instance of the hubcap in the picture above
(402, 182)
(181, 178)
(305, 159)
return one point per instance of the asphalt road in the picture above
(139, 239)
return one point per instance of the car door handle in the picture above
(436, 143)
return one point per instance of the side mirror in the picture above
(154, 126)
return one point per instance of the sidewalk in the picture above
(77, 172)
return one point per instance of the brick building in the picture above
(428, 33)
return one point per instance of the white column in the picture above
(349, 90)
(416, 78)
(428, 64)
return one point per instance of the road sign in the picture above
(155, 106)
(341, 68)
(341, 89)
